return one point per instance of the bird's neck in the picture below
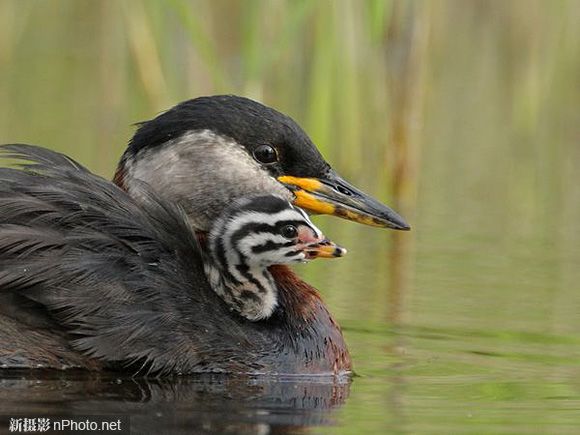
(249, 290)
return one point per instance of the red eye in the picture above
(265, 154)
(289, 231)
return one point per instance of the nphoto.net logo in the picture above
(70, 424)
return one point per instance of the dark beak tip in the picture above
(397, 227)
(396, 222)
(400, 224)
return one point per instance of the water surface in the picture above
(463, 115)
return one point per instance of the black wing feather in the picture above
(125, 282)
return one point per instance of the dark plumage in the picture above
(116, 284)
(97, 275)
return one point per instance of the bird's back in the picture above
(91, 278)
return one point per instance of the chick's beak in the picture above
(325, 249)
(317, 245)
(333, 195)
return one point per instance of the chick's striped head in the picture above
(266, 230)
(252, 234)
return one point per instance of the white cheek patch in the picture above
(203, 172)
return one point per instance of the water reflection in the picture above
(203, 404)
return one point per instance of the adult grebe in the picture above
(98, 275)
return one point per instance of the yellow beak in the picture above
(333, 195)
(325, 249)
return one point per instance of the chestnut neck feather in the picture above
(119, 177)
(300, 298)
(309, 324)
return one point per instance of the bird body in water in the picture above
(178, 267)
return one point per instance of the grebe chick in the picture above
(253, 234)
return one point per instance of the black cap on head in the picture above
(248, 122)
(274, 142)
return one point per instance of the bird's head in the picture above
(251, 235)
(261, 231)
(207, 152)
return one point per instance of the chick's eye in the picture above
(289, 231)
(265, 154)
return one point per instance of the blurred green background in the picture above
(463, 115)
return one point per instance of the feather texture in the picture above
(114, 283)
